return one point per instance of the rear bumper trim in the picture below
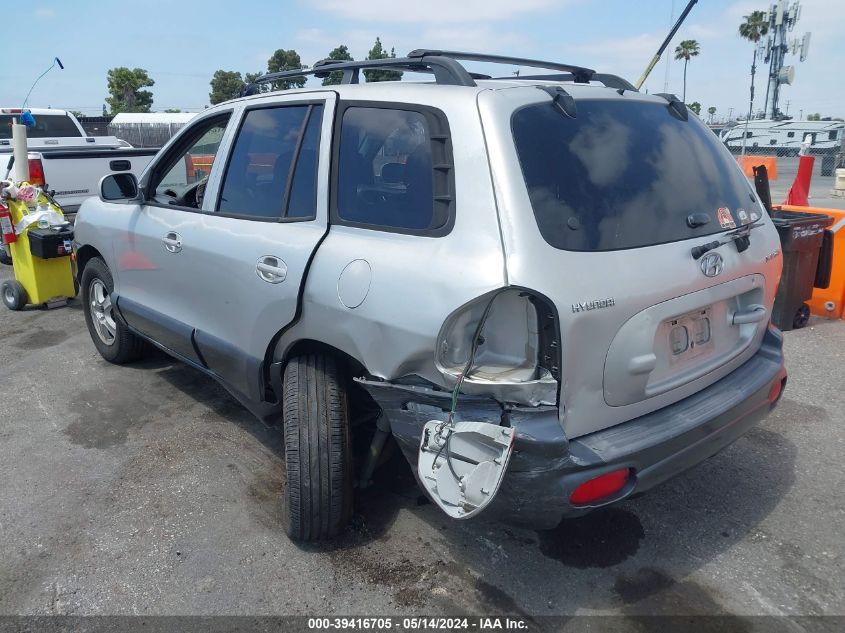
(657, 446)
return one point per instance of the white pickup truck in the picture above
(64, 159)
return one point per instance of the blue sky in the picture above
(182, 42)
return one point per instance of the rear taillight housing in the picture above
(602, 487)
(36, 172)
(518, 353)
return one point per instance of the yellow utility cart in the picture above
(41, 258)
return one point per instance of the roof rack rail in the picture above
(580, 74)
(445, 67)
(608, 80)
(446, 71)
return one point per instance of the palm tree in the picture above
(754, 26)
(686, 50)
(711, 111)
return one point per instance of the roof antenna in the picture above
(56, 60)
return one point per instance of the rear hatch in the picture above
(594, 212)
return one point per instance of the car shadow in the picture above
(635, 557)
(375, 507)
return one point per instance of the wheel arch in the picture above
(312, 346)
(280, 352)
(85, 254)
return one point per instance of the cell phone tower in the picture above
(782, 18)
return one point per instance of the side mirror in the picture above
(117, 187)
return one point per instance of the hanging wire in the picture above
(476, 337)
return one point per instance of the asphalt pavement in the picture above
(147, 489)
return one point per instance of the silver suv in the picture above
(551, 291)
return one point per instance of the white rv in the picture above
(784, 137)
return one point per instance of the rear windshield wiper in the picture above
(738, 236)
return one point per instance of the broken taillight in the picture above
(517, 355)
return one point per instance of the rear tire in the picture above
(110, 335)
(5, 256)
(318, 492)
(14, 295)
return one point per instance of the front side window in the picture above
(625, 175)
(272, 172)
(386, 170)
(181, 177)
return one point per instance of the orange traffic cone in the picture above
(800, 188)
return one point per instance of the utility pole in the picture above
(666, 72)
(801, 114)
(730, 113)
(787, 106)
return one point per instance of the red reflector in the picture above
(774, 392)
(36, 172)
(600, 487)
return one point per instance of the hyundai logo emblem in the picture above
(712, 264)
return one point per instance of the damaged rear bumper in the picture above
(546, 467)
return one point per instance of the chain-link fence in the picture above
(779, 145)
(144, 134)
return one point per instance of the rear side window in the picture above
(625, 175)
(46, 125)
(394, 170)
(263, 179)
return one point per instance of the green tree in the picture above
(283, 60)
(341, 53)
(378, 52)
(173, 110)
(76, 113)
(686, 50)
(695, 106)
(711, 111)
(225, 85)
(754, 26)
(814, 116)
(125, 94)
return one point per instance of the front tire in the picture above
(318, 492)
(110, 335)
(14, 295)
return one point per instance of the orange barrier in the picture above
(829, 303)
(749, 162)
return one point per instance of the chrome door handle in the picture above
(172, 242)
(753, 314)
(271, 269)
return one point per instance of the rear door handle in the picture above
(172, 242)
(271, 269)
(753, 314)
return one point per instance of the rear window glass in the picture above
(46, 125)
(385, 175)
(625, 175)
